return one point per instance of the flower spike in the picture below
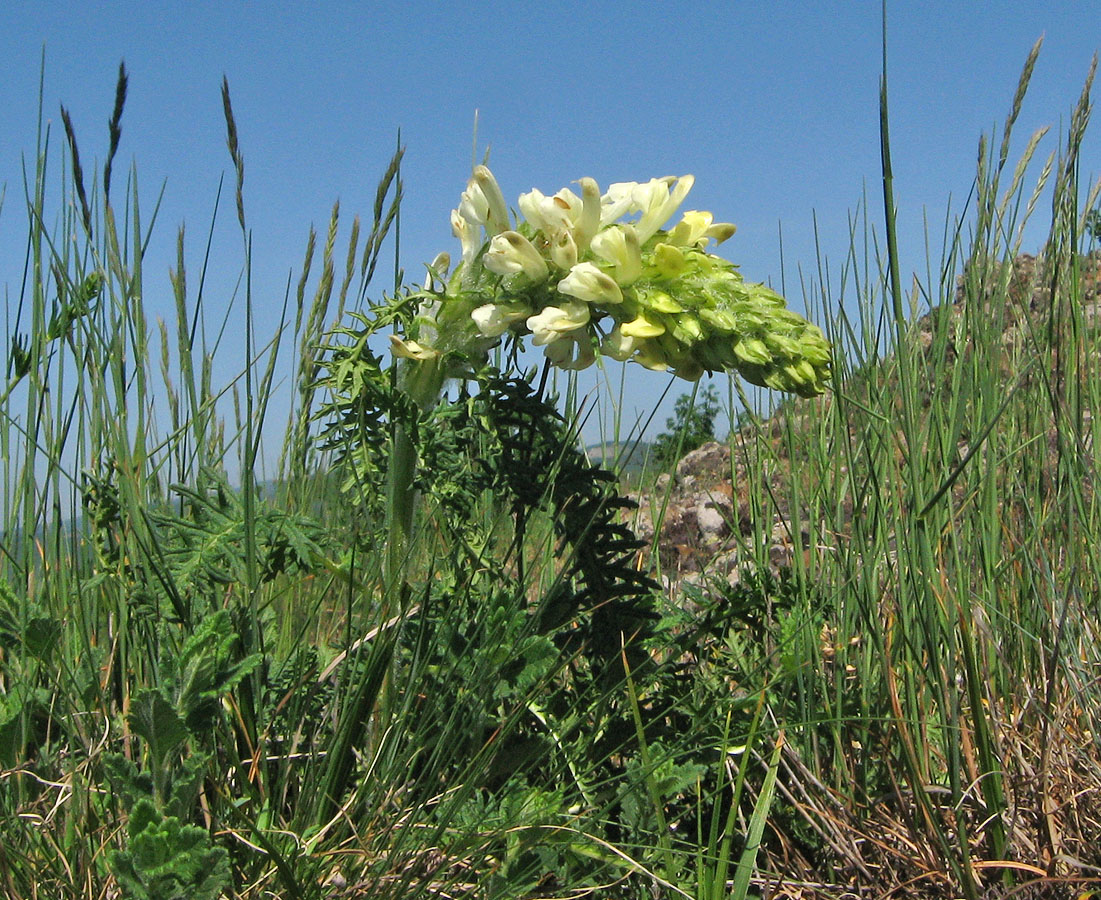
(578, 272)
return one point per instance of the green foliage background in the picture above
(691, 426)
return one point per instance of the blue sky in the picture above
(773, 106)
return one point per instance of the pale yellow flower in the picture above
(510, 253)
(618, 346)
(573, 352)
(411, 349)
(563, 250)
(587, 282)
(649, 355)
(657, 202)
(590, 213)
(469, 234)
(494, 319)
(552, 215)
(482, 202)
(618, 246)
(437, 271)
(555, 321)
(695, 229)
(641, 327)
(617, 201)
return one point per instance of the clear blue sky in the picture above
(773, 107)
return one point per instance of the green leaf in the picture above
(167, 860)
(757, 821)
(128, 783)
(41, 635)
(208, 669)
(11, 730)
(9, 615)
(155, 720)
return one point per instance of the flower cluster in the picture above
(595, 273)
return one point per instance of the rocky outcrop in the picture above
(705, 517)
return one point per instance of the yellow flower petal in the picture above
(641, 327)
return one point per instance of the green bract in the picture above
(593, 273)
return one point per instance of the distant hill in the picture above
(624, 457)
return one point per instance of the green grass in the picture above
(212, 687)
(934, 649)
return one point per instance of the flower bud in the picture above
(670, 261)
(781, 344)
(689, 369)
(752, 351)
(687, 329)
(650, 355)
(563, 250)
(617, 345)
(437, 271)
(586, 282)
(574, 352)
(510, 253)
(642, 327)
(590, 213)
(814, 346)
(555, 321)
(660, 301)
(618, 246)
(468, 233)
(722, 320)
(721, 231)
(411, 349)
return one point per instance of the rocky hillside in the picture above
(712, 509)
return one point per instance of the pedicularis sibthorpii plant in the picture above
(581, 276)
(584, 275)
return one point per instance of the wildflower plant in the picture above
(597, 274)
(584, 275)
